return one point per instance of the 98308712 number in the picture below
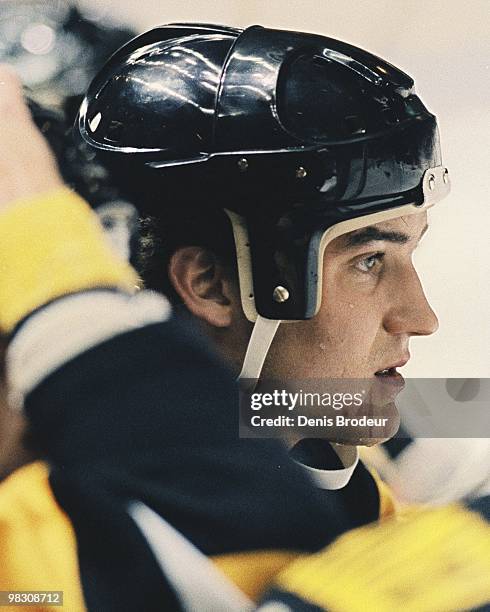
(31, 598)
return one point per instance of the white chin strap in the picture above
(258, 346)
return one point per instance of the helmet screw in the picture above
(301, 172)
(280, 294)
(432, 182)
(243, 164)
(445, 176)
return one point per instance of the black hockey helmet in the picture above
(298, 136)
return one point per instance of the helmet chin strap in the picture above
(260, 341)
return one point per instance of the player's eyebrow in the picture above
(373, 234)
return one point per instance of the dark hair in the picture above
(184, 225)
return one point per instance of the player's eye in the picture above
(369, 265)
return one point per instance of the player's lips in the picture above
(389, 373)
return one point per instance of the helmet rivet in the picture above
(445, 176)
(243, 164)
(280, 294)
(432, 182)
(301, 172)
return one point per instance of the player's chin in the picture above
(382, 424)
(391, 415)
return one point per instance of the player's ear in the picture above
(201, 281)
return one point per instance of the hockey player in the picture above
(287, 177)
(104, 380)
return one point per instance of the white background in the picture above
(444, 46)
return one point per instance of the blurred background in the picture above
(443, 45)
